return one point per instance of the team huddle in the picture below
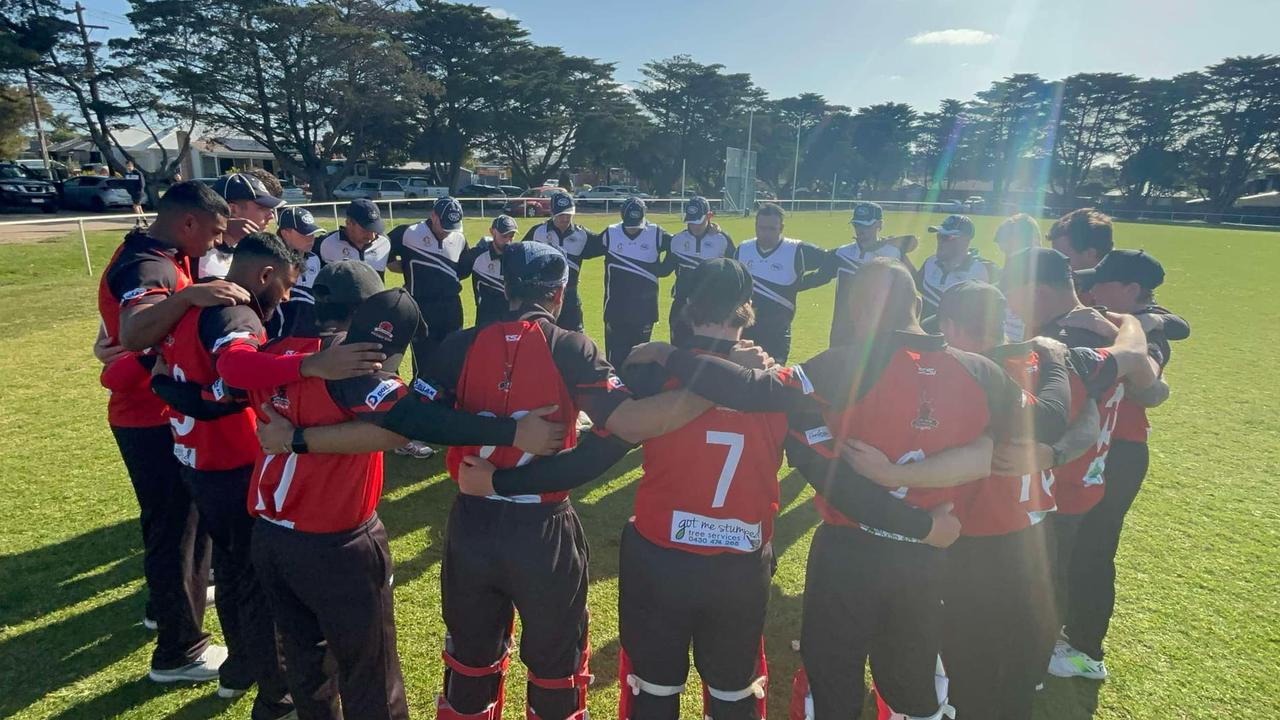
(975, 435)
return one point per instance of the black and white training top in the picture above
(688, 251)
(429, 264)
(632, 266)
(576, 242)
(779, 275)
(933, 279)
(299, 311)
(845, 261)
(335, 246)
(484, 265)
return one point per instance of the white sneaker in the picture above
(150, 624)
(584, 422)
(416, 449)
(202, 670)
(210, 595)
(1068, 662)
(227, 693)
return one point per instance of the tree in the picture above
(939, 143)
(15, 114)
(1154, 124)
(311, 82)
(777, 128)
(1010, 120)
(697, 109)
(882, 139)
(1238, 130)
(1088, 125)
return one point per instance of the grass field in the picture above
(1196, 634)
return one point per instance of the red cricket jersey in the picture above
(711, 486)
(140, 267)
(924, 401)
(1132, 424)
(228, 442)
(318, 492)
(508, 371)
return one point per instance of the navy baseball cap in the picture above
(390, 318)
(954, 225)
(1125, 266)
(504, 224)
(534, 264)
(449, 211)
(240, 186)
(1034, 266)
(866, 213)
(633, 212)
(300, 219)
(697, 210)
(718, 286)
(562, 204)
(346, 282)
(365, 213)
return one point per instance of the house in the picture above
(209, 154)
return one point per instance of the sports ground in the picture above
(1197, 627)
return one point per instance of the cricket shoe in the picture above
(205, 668)
(417, 450)
(230, 693)
(1068, 662)
(150, 624)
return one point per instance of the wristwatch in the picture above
(298, 445)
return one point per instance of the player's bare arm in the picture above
(638, 420)
(146, 323)
(951, 467)
(1020, 457)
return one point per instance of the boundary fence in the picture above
(486, 207)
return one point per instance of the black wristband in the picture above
(298, 446)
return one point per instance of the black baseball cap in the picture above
(240, 186)
(954, 225)
(1125, 266)
(633, 210)
(390, 318)
(972, 301)
(365, 212)
(696, 210)
(534, 264)
(504, 224)
(300, 219)
(718, 286)
(449, 211)
(347, 282)
(1037, 265)
(866, 213)
(562, 204)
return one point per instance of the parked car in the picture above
(534, 203)
(598, 194)
(96, 193)
(369, 189)
(421, 187)
(512, 190)
(292, 193)
(975, 203)
(21, 188)
(480, 191)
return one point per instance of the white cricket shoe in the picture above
(1068, 662)
(416, 449)
(205, 668)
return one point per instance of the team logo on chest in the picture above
(924, 417)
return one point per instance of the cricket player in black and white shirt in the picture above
(360, 238)
(867, 222)
(298, 228)
(428, 254)
(634, 259)
(252, 210)
(953, 263)
(484, 264)
(781, 268)
(577, 243)
(700, 240)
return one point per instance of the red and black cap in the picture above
(389, 318)
(1124, 266)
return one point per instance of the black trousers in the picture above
(442, 316)
(571, 313)
(175, 556)
(669, 598)
(868, 597)
(331, 594)
(247, 626)
(501, 557)
(619, 338)
(775, 339)
(999, 623)
(1092, 597)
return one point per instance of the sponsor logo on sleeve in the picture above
(380, 393)
(615, 383)
(231, 337)
(425, 389)
(134, 293)
(821, 434)
(219, 390)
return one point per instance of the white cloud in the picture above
(501, 14)
(955, 36)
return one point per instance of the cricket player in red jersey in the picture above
(1040, 289)
(886, 389)
(149, 266)
(998, 597)
(1124, 281)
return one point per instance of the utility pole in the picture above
(749, 187)
(91, 74)
(35, 118)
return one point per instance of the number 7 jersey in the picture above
(711, 486)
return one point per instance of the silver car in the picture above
(95, 192)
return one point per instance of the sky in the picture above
(860, 52)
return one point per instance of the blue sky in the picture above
(857, 52)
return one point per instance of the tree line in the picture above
(451, 84)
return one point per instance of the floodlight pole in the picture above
(751, 119)
(795, 169)
(682, 168)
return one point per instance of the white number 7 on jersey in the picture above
(735, 442)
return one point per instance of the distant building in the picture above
(209, 154)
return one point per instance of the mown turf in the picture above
(1195, 635)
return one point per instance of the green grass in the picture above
(1195, 635)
